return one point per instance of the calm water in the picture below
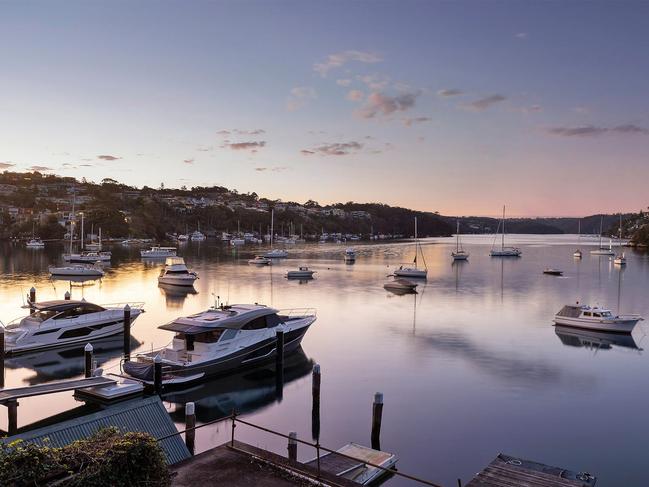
(470, 366)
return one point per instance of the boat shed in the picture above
(140, 415)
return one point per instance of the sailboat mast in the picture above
(601, 229)
(502, 244)
(416, 244)
(457, 237)
(272, 226)
(72, 218)
(81, 236)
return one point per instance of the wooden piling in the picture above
(190, 424)
(2, 357)
(377, 415)
(32, 299)
(157, 374)
(12, 411)
(127, 333)
(315, 410)
(67, 296)
(279, 349)
(87, 352)
(292, 446)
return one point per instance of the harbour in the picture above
(487, 370)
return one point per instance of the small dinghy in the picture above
(260, 260)
(552, 272)
(355, 464)
(400, 285)
(302, 273)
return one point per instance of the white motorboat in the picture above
(175, 273)
(603, 250)
(77, 270)
(503, 251)
(35, 243)
(158, 252)
(260, 260)
(220, 340)
(580, 316)
(237, 241)
(276, 254)
(406, 270)
(182, 237)
(88, 257)
(61, 322)
(197, 236)
(577, 254)
(350, 255)
(459, 253)
(302, 272)
(402, 285)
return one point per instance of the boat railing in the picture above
(133, 305)
(294, 313)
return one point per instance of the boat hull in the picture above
(416, 273)
(177, 281)
(615, 326)
(63, 271)
(300, 274)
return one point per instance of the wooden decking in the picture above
(8, 395)
(506, 471)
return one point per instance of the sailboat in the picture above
(35, 242)
(274, 253)
(407, 271)
(577, 253)
(86, 256)
(94, 246)
(620, 259)
(504, 251)
(603, 250)
(460, 253)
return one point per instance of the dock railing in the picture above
(236, 420)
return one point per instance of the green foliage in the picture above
(106, 458)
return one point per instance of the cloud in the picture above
(381, 104)
(339, 59)
(223, 132)
(532, 109)
(450, 92)
(299, 97)
(252, 145)
(355, 95)
(484, 103)
(188, 161)
(375, 82)
(334, 149)
(343, 82)
(272, 169)
(108, 158)
(86, 165)
(6, 164)
(249, 132)
(409, 122)
(521, 35)
(594, 131)
(40, 168)
(204, 149)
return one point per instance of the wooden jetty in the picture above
(507, 471)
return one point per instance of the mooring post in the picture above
(292, 446)
(66, 296)
(12, 411)
(279, 356)
(377, 414)
(190, 424)
(32, 300)
(157, 374)
(87, 352)
(315, 410)
(127, 333)
(459, 482)
(2, 357)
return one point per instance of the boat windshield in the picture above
(607, 314)
(42, 316)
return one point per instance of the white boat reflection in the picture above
(67, 362)
(244, 392)
(175, 296)
(596, 340)
(77, 279)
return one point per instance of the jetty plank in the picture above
(8, 395)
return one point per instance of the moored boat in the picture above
(504, 251)
(581, 316)
(176, 273)
(402, 285)
(552, 272)
(412, 271)
(35, 243)
(77, 270)
(302, 272)
(260, 260)
(459, 253)
(350, 255)
(158, 252)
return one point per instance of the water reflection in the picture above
(244, 392)
(175, 296)
(67, 362)
(594, 340)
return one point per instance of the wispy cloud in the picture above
(339, 59)
(40, 168)
(108, 157)
(450, 92)
(204, 149)
(355, 95)
(6, 165)
(483, 103)
(334, 149)
(188, 161)
(226, 132)
(272, 169)
(532, 109)
(380, 104)
(251, 146)
(409, 122)
(375, 82)
(343, 82)
(299, 97)
(521, 35)
(595, 131)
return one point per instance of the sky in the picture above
(457, 107)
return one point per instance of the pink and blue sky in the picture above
(457, 107)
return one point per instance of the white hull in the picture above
(460, 256)
(614, 325)
(177, 280)
(505, 253)
(300, 274)
(602, 252)
(35, 245)
(90, 259)
(416, 273)
(276, 254)
(76, 271)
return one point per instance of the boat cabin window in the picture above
(229, 334)
(256, 324)
(78, 311)
(43, 315)
(587, 313)
(597, 315)
(272, 320)
(607, 314)
(209, 336)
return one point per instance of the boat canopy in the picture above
(570, 311)
(233, 317)
(175, 261)
(62, 305)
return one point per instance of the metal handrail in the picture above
(298, 312)
(234, 418)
